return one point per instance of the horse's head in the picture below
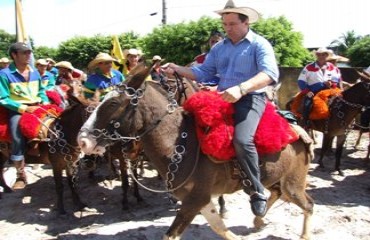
(360, 92)
(104, 125)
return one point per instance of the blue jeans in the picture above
(248, 112)
(18, 144)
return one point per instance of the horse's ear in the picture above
(138, 75)
(364, 76)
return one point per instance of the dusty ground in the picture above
(341, 210)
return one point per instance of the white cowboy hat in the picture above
(101, 57)
(132, 51)
(230, 7)
(41, 62)
(64, 64)
(324, 50)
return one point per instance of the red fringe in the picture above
(54, 97)
(30, 122)
(215, 126)
(4, 127)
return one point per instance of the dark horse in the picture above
(142, 111)
(343, 109)
(62, 151)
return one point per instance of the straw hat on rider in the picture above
(157, 58)
(101, 57)
(132, 51)
(42, 62)
(324, 50)
(4, 60)
(50, 60)
(230, 7)
(65, 64)
(337, 58)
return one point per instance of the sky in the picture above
(50, 22)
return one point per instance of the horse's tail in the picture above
(305, 137)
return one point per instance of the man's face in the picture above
(321, 57)
(105, 67)
(41, 68)
(22, 57)
(133, 59)
(234, 27)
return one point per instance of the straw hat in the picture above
(42, 62)
(4, 60)
(157, 58)
(132, 51)
(230, 7)
(101, 57)
(50, 60)
(337, 58)
(64, 64)
(324, 50)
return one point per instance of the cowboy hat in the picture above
(364, 75)
(132, 51)
(324, 50)
(50, 60)
(230, 7)
(157, 58)
(337, 58)
(4, 60)
(101, 57)
(42, 62)
(64, 64)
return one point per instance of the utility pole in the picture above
(164, 12)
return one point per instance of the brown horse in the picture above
(143, 111)
(343, 109)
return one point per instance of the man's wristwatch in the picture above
(243, 90)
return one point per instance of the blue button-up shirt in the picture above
(236, 63)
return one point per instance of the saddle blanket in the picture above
(215, 126)
(30, 123)
(320, 106)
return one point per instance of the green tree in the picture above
(5, 40)
(359, 52)
(287, 44)
(181, 42)
(344, 42)
(44, 52)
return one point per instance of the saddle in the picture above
(320, 107)
(215, 127)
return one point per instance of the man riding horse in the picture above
(315, 77)
(21, 91)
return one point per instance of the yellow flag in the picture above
(118, 54)
(20, 29)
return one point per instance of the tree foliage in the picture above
(181, 42)
(5, 40)
(287, 44)
(359, 53)
(44, 52)
(344, 42)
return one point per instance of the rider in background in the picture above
(4, 62)
(48, 79)
(315, 77)
(21, 90)
(103, 79)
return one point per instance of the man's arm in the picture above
(171, 68)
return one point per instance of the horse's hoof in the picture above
(258, 223)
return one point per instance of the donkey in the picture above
(142, 111)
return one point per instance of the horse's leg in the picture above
(3, 184)
(136, 187)
(216, 222)
(72, 182)
(223, 210)
(325, 146)
(124, 183)
(275, 194)
(358, 139)
(58, 179)
(191, 205)
(295, 191)
(338, 153)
